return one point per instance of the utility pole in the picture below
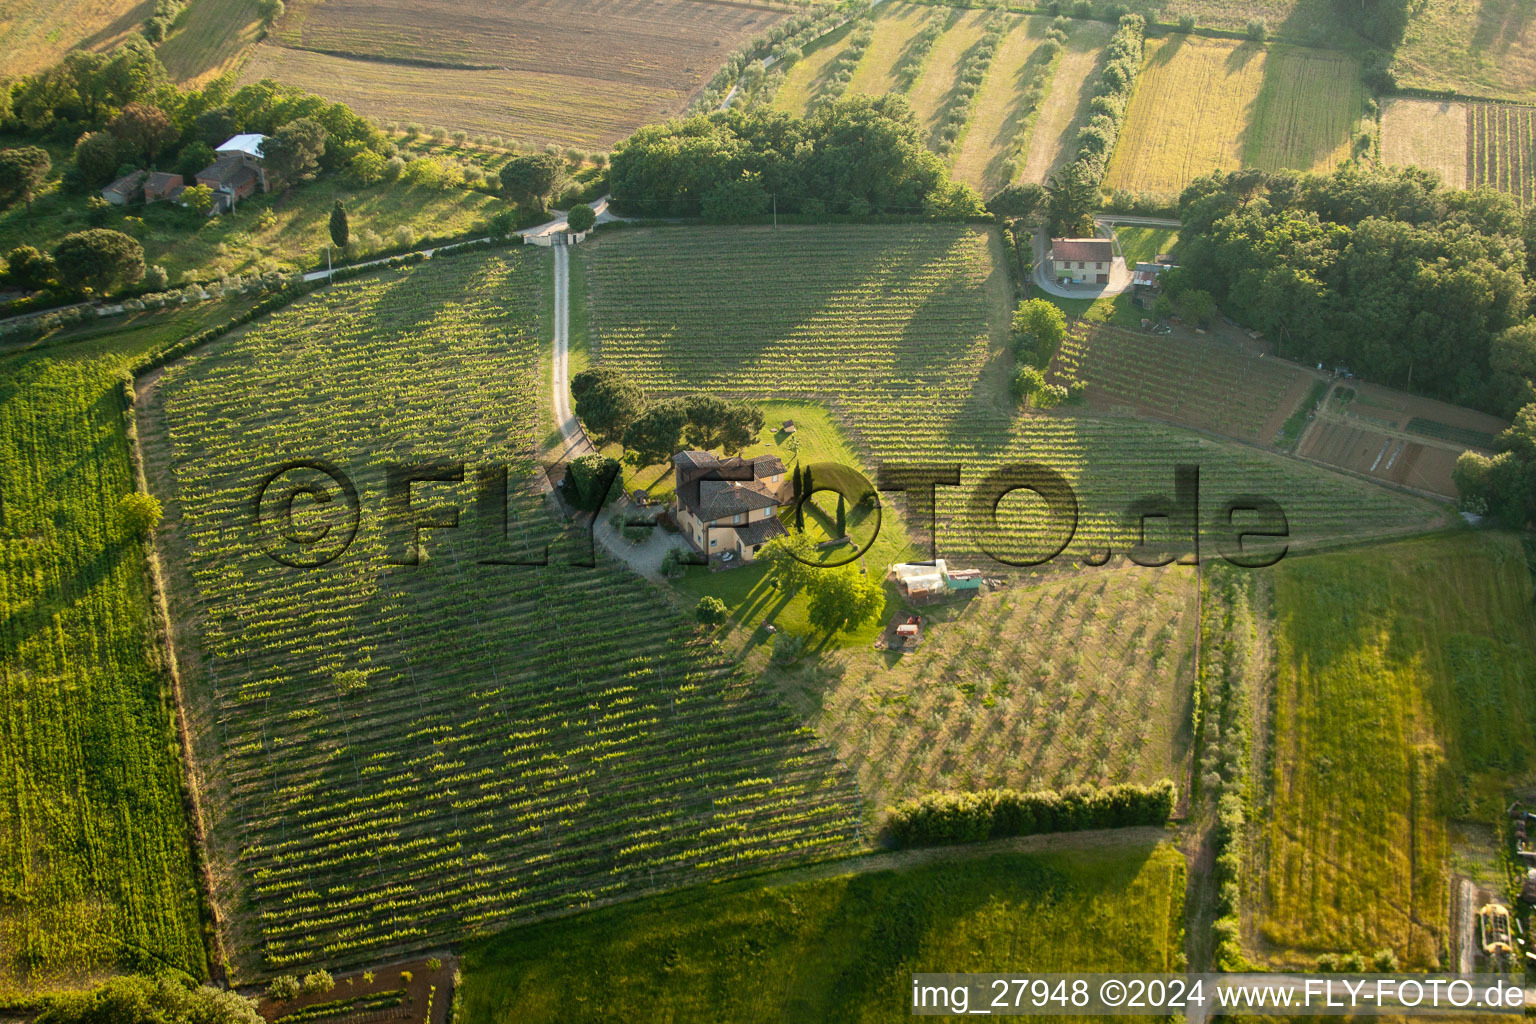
(775, 209)
(329, 274)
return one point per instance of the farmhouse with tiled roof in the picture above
(728, 508)
(1081, 260)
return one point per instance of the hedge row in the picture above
(941, 818)
(1111, 95)
(1228, 929)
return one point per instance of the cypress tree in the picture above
(340, 230)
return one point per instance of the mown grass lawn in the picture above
(744, 590)
(840, 948)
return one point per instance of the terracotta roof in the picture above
(1096, 249)
(227, 171)
(127, 184)
(720, 498)
(761, 531)
(695, 469)
(159, 181)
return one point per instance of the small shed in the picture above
(125, 189)
(964, 579)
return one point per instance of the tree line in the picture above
(857, 156)
(941, 818)
(1073, 193)
(616, 410)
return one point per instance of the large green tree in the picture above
(99, 259)
(1072, 197)
(843, 598)
(292, 152)
(529, 180)
(654, 435)
(788, 561)
(715, 422)
(98, 155)
(22, 171)
(1039, 326)
(143, 130)
(28, 268)
(607, 401)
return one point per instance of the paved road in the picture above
(1151, 222)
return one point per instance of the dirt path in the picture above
(646, 556)
(573, 440)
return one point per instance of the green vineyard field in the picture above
(409, 755)
(902, 331)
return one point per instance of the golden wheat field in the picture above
(35, 33)
(1205, 105)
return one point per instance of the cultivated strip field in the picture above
(1209, 385)
(992, 134)
(34, 34)
(404, 755)
(1501, 148)
(94, 839)
(1053, 142)
(1205, 105)
(544, 71)
(1082, 679)
(896, 27)
(528, 106)
(903, 331)
(1426, 133)
(838, 948)
(1405, 698)
(212, 38)
(1397, 437)
(934, 92)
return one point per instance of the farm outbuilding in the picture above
(125, 189)
(921, 580)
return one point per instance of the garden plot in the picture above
(1396, 437)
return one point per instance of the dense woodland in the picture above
(1384, 271)
(856, 156)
